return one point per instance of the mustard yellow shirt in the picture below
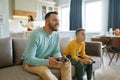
(74, 48)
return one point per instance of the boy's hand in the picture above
(85, 61)
(93, 60)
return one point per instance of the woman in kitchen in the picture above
(30, 24)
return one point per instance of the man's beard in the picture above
(52, 28)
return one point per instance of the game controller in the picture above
(92, 61)
(62, 59)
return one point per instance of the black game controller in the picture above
(62, 59)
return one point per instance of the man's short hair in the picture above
(78, 30)
(49, 13)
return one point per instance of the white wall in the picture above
(72, 34)
(4, 10)
(105, 16)
(61, 2)
(26, 5)
(16, 27)
(67, 34)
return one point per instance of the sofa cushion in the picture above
(6, 56)
(64, 41)
(19, 45)
(16, 73)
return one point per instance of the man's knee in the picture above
(43, 70)
(46, 74)
(67, 65)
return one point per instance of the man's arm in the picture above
(56, 52)
(29, 55)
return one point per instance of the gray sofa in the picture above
(12, 49)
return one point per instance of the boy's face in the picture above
(81, 36)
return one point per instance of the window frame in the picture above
(84, 15)
(60, 16)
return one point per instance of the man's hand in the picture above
(67, 60)
(62, 59)
(53, 61)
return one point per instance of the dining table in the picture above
(106, 41)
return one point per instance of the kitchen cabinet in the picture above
(11, 8)
(44, 7)
(26, 5)
(24, 13)
(25, 8)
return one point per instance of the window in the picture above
(64, 18)
(50, 9)
(92, 15)
(44, 11)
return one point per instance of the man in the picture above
(75, 51)
(43, 49)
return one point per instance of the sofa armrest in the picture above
(94, 48)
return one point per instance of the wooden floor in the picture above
(107, 72)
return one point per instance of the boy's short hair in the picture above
(49, 13)
(78, 30)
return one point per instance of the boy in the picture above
(75, 51)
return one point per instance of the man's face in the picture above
(53, 22)
(81, 36)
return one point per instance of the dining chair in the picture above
(114, 48)
(105, 43)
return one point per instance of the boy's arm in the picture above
(74, 53)
(83, 54)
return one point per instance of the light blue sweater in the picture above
(40, 47)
